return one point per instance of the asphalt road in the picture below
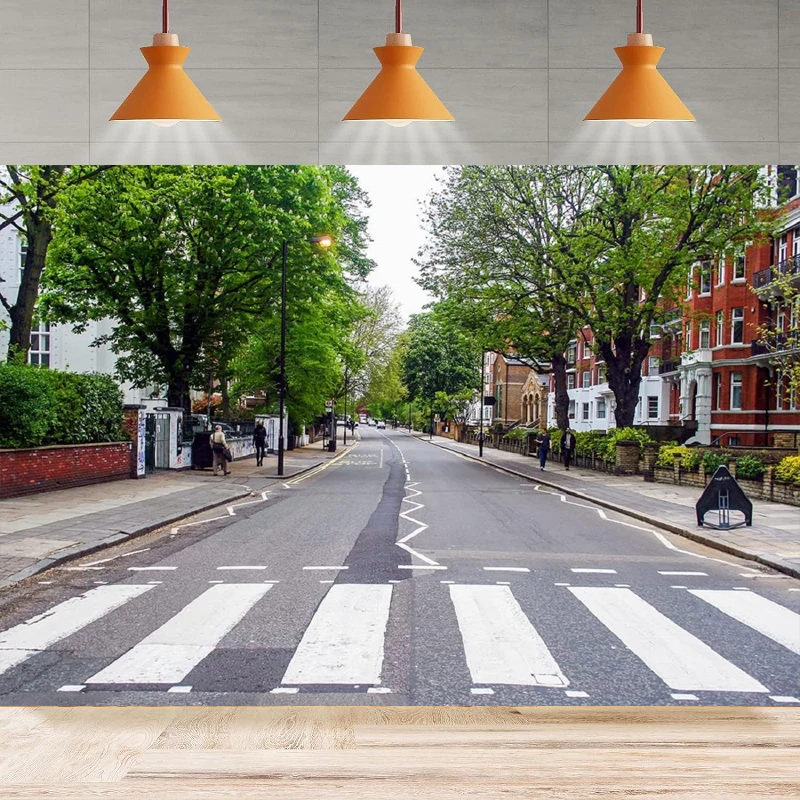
(403, 574)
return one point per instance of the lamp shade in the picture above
(639, 94)
(399, 94)
(166, 94)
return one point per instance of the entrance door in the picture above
(156, 441)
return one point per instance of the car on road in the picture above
(381, 425)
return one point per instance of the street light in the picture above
(324, 241)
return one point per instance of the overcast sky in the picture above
(394, 225)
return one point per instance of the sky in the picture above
(395, 227)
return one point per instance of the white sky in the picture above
(395, 228)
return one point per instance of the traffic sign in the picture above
(329, 404)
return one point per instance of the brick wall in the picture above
(44, 469)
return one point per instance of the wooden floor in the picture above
(199, 753)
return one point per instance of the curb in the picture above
(780, 566)
(293, 475)
(87, 549)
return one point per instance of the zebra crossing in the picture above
(345, 641)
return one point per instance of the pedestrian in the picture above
(260, 442)
(543, 443)
(568, 446)
(218, 448)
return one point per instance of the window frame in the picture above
(739, 258)
(601, 408)
(650, 399)
(40, 356)
(720, 328)
(734, 320)
(734, 385)
(704, 329)
(586, 379)
(585, 412)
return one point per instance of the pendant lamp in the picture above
(399, 94)
(639, 95)
(166, 94)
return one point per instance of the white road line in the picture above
(506, 569)
(135, 552)
(678, 572)
(179, 690)
(82, 569)
(36, 634)
(216, 581)
(284, 690)
(243, 567)
(503, 583)
(622, 585)
(569, 693)
(344, 641)
(446, 581)
(329, 581)
(151, 569)
(680, 659)
(417, 554)
(682, 696)
(45, 583)
(71, 688)
(590, 570)
(170, 653)
(500, 644)
(779, 698)
(679, 587)
(480, 690)
(765, 616)
(420, 566)
(325, 568)
(560, 584)
(379, 690)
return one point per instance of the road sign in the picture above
(723, 494)
(329, 404)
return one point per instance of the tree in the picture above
(185, 259)
(28, 198)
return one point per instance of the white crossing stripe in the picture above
(36, 634)
(680, 659)
(500, 644)
(678, 572)
(757, 612)
(598, 571)
(170, 653)
(344, 641)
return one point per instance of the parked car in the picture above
(381, 425)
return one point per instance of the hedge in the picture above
(41, 406)
(788, 470)
(690, 458)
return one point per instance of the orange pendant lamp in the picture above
(639, 95)
(399, 94)
(166, 94)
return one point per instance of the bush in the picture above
(556, 436)
(47, 407)
(690, 458)
(749, 467)
(788, 470)
(516, 434)
(589, 442)
(608, 447)
(711, 460)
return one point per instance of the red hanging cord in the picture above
(639, 17)
(398, 16)
(165, 16)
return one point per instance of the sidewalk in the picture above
(42, 530)
(773, 539)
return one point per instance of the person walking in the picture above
(260, 442)
(218, 447)
(543, 443)
(568, 446)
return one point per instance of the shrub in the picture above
(711, 460)
(47, 407)
(788, 470)
(589, 442)
(749, 467)
(516, 434)
(608, 447)
(556, 435)
(690, 458)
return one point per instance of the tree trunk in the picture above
(226, 398)
(559, 363)
(178, 395)
(624, 368)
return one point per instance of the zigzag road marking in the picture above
(231, 513)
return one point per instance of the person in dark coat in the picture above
(568, 446)
(543, 444)
(260, 441)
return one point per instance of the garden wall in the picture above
(43, 469)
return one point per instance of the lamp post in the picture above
(323, 242)
(480, 407)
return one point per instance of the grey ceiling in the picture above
(518, 75)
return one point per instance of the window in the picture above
(783, 248)
(705, 278)
(690, 284)
(652, 408)
(652, 365)
(585, 413)
(720, 328)
(601, 374)
(721, 272)
(601, 409)
(39, 354)
(796, 242)
(781, 323)
(584, 349)
(739, 263)
(736, 391)
(571, 412)
(587, 379)
(23, 254)
(737, 325)
(571, 350)
(705, 334)
(571, 380)
(688, 340)
(788, 182)
(717, 390)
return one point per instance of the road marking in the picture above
(179, 690)
(216, 581)
(284, 690)
(742, 588)
(322, 467)
(328, 581)
(421, 526)
(253, 567)
(446, 581)
(151, 569)
(417, 554)
(780, 698)
(679, 587)
(680, 659)
(170, 653)
(622, 585)
(506, 569)
(477, 690)
(47, 583)
(286, 486)
(379, 690)
(36, 634)
(500, 644)
(682, 696)
(591, 570)
(420, 566)
(71, 688)
(765, 616)
(503, 583)
(344, 641)
(174, 531)
(324, 568)
(570, 693)
(670, 572)
(103, 583)
(82, 569)
(155, 582)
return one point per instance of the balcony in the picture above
(780, 345)
(665, 367)
(789, 266)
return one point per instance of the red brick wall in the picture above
(43, 469)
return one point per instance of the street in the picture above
(400, 573)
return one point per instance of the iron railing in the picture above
(789, 266)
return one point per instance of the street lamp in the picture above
(324, 241)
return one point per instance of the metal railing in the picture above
(789, 266)
(778, 343)
(668, 366)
